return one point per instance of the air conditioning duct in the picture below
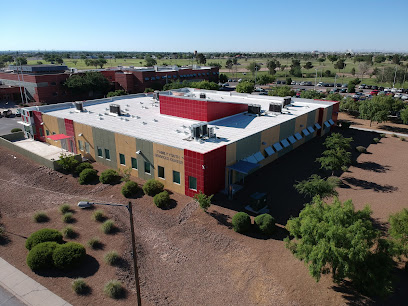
(79, 106)
(211, 132)
(287, 101)
(204, 129)
(202, 96)
(114, 109)
(275, 107)
(254, 109)
(156, 95)
(195, 131)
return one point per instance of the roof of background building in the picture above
(143, 119)
(39, 68)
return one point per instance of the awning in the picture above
(58, 137)
(305, 132)
(243, 167)
(292, 139)
(285, 143)
(331, 122)
(311, 130)
(269, 151)
(318, 126)
(298, 136)
(327, 124)
(24, 123)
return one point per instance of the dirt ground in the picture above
(188, 257)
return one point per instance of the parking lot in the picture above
(6, 124)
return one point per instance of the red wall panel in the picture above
(69, 128)
(37, 125)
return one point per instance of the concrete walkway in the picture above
(25, 288)
(378, 131)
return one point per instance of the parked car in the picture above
(398, 95)
(264, 93)
(374, 92)
(239, 80)
(344, 85)
(404, 97)
(293, 83)
(7, 113)
(368, 87)
(380, 88)
(18, 112)
(259, 89)
(393, 90)
(362, 86)
(343, 90)
(401, 90)
(374, 87)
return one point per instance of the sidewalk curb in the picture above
(26, 289)
(377, 131)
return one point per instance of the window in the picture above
(99, 152)
(107, 154)
(192, 183)
(81, 145)
(53, 133)
(147, 167)
(55, 93)
(134, 162)
(47, 132)
(176, 177)
(122, 159)
(87, 147)
(42, 132)
(160, 170)
(53, 83)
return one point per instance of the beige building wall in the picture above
(51, 125)
(301, 123)
(87, 136)
(171, 159)
(269, 137)
(126, 145)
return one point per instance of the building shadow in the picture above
(394, 129)
(370, 185)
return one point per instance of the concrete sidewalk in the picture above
(25, 288)
(378, 131)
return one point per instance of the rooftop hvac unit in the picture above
(287, 101)
(211, 132)
(204, 129)
(114, 109)
(254, 109)
(275, 107)
(202, 95)
(79, 106)
(195, 131)
(156, 95)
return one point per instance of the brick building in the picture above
(192, 140)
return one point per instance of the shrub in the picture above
(68, 163)
(108, 227)
(361, 149)
(394, 135)
(114, 289)
(64, 208)
(94, 243)
(68, 217)
(111, 258)
(87, 176)
(402, 138)
(153, 187)
(161, 199)
(82, 166)
(345, 125)
(383, 135)
(241, 222)
(15, 130)
(129, 189)
(40, 256)
(109, 176)
(68, 255)
(98, 215)
(43, 235)
(40, 217)
(68, 232)
(80, 286)
(203, 200)
(265, 224)
(376, 140)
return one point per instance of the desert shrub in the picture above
(94, 243)
(15, 130)
(109, 176)
(40, 256)
(265, 224)
(108, 227)
(68, 232)
(361, 149)
(80, 286)
(129, 189)
(161, 199)
(394, 135)
(203, 200)
(402, 138)
(43, 235)
(383, 135)
(64, 208)
(98, 215)
(87, 176)
(68, 163)
(82, 166)
(376, 140)
(111, 258)
(153, 187)
(68, 255)
(241, 222)
(114, 289)
(40, 217)
(68, 217)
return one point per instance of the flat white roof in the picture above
(143, 119)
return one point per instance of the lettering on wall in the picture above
(170, 156)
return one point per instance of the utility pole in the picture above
(395, 76)
(315, 79)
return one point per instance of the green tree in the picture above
(265, 79)
(90, 81)
(21, 61)
(223, 78)
(374, 110)
(271, 65)
(404, 115)
(281, 91)
(150, 61)
(398, 231)
(119, 92)
(337, 141)
(379, 59)
(339, 240)
(101, 62)
(315, 185)
(229, 64)
(311, 94)
(334, 97)
(350, 106)
(245, 87)
(340, 64)
(334, 159)
(217, 65)
(254, 67)
(200, 58)
(353, 71)
(203, 200)
(288, 81)
(308, 65)
(332, 57)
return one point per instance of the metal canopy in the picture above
(58, 137)
(243, 167)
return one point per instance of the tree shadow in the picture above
(372, 166)
(221, 218)
(394, 129)
(280, 233)
(370, 185)
(88, 268)
(351, 296)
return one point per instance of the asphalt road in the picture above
(8, 299)
(6, 124)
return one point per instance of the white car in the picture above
(398, 96)
(401, 90)
(404, 97)
(393, 90)
(387, 89)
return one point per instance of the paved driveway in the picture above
(6, 124)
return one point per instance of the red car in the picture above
(374, 92)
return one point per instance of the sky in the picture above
(205, 26)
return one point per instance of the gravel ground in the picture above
(188, 257)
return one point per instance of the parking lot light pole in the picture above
(86, 204)
(315, 79)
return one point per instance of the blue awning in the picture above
(277, 146)
(292, 139)
(311, 130)
(327, 124)
(243, 167)
(331, 122)
(305, 132)
(318, 126)
(285, 143)
(269, 151)
(298, 136)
